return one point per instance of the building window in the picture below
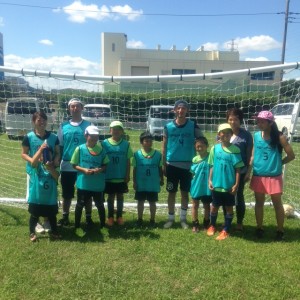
(113, 47)
(216, 71)
(183, 71)
(263, 76)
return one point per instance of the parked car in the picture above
(287, 118)
(18, 115)
(100, 115)
(158, 117)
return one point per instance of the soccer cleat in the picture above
(33, 237)
(120, 221)
(279, 236)
(110, 222)
(195, 226)
(211, 230)
(184, 224)
(39, 228)
(152, 224)
(63, 222)
(168, 225)
(89, 223)
(47, 226)
(139, 223)
(80, 232)
(222, 236)
(259, 232)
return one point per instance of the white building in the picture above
(118, 60)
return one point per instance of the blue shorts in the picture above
(222, 199)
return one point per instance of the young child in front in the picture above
(199, 186)
(147, 177)
(225, 162)
(118, 171)
(90, 161)
(42, 196)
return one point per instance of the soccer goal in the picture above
(210, 95)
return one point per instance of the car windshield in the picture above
(282, 110)
(162, 113)
(21, 108)
(96, 112)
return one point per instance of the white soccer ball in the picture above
(289, 210)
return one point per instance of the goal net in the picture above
(130, 98)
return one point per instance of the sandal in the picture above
(33, 237)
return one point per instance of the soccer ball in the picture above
(289, 210)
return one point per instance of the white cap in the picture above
(116, 124)
(91, 130)
(74, 100)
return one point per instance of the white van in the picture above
(18, 115)
(158, 117)
(287, 118)
(99, 115)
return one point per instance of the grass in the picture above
(130, 263)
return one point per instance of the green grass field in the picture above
(132, 263)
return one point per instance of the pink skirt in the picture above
(267, 185)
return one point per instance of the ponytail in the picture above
(275, 137)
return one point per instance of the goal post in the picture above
(210, 95)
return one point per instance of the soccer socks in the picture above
(228, 221)
(213, 219)
(183, 213)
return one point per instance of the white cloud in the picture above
(254, 43)
(261, 58)
(136, 44)
(1, 21)
(46, 42)
(61, 64)
(210, 46)
(79, 12)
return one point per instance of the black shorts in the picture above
(68, 180)
(177, 176)
(204, 199)
(149, 196)
(116, 188)
(41, 210)
(222, 199)
(84, 196)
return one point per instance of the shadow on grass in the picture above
(290, 234)
(10, 215)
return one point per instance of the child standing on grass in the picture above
(147, 177)
(199, 186)
(90, 161)
(118, 171)
(267, 170)
(225, 161)
(42, 197)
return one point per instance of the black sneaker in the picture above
(152, 224)
(63, 222)
(279, 236)
(259, 232)
(90, 223)
(139, 223)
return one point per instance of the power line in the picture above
(145, 14)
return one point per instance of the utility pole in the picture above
(286, 20)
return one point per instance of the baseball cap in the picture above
(181, 103)
(266, 115)
(224, 126)
(116, 124)
(74, 100)
(91, 130)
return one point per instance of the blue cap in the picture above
(181, 103)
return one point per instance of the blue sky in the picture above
(65, 35)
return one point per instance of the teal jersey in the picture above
(73, 136)
(42, 186)
(95, 182)
(267, 160)
(118, 159)
(147, 171)
(225, 161)
(180, 143)
(200, 170)
(35, 143)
